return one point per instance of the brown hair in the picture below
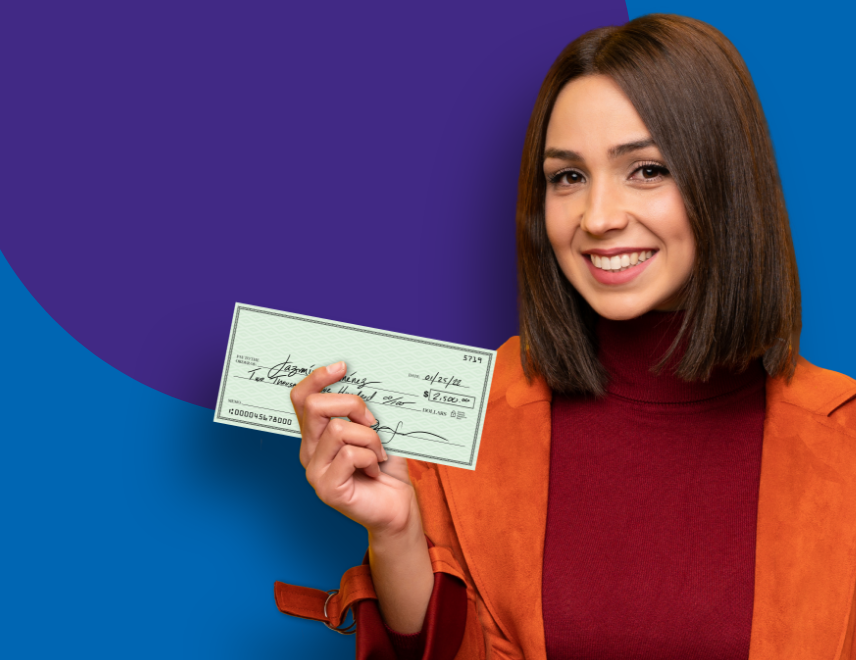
(694, 93)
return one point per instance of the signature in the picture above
(419, 435)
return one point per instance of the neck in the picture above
(630, 349)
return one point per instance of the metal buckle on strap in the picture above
(351, 628)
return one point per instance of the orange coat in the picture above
(489, 524)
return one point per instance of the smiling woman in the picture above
(614, 215)
(681, 127)
(621, 507)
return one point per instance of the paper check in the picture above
(428, 396)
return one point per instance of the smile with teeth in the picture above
(620, 261)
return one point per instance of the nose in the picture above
(603, 211)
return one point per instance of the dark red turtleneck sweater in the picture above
(650, 545)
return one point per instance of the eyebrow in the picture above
(614, 152)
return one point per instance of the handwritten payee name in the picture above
(284, 373)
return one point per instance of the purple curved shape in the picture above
(165, 160)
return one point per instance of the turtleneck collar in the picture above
(629, 349)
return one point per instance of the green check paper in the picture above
(428, 396)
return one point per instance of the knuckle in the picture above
(336, 426)
(349, 453)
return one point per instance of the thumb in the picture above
(396, 466)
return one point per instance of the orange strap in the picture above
(356, 585)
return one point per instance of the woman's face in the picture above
(615, 217)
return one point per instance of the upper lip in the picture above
(619, 250)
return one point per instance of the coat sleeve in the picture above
(438, 526)
(442, 631)
(451, 630)
(444, 626)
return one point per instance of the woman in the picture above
(621, 506)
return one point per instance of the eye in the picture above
(564, 178)
(649, 172)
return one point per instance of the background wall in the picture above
(164, 160)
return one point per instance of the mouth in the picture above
(618, 266)
(620, 262)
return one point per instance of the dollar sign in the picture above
(425, 394)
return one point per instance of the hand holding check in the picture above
(350, 471)
(345, 461)
(427, 401)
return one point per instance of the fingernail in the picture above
(384, 453)
(336, 368)
(371, 417)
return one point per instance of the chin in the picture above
(621, 310)
(622, 315)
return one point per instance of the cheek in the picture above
(674, 225)
(559, 230)
(679, 236)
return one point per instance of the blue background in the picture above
(134, 526)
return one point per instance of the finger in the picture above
(341, 433)
(330, 482)
(347, 461)
(319, 408)
(315, 382)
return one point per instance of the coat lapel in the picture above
(806, 538)
(805, 553)
(500, 509)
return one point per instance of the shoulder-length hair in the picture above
(694, 93)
